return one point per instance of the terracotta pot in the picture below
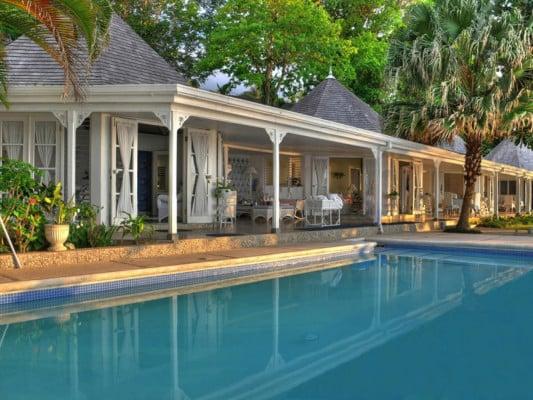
(56, 235)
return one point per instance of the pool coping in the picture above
(40, 289)
(483, 246)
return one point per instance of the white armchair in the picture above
(323, 211)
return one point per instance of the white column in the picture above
(174, 122)
(70, 182)
(529, 195)
(99, 148)
(496, 194)
(436, 184)
(518, 194)
(276, 137)
(378, 179)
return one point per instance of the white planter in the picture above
(56, 235)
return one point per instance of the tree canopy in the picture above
(280, 47)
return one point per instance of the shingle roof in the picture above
(457, 145)
(509, 153)
(127, 59)
(332, 101)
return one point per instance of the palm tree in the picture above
(57, 27)
(462, 67)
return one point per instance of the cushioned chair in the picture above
(323, 211)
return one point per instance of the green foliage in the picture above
(59, 212)
(86, 232)
(278, 47)
(368, 24)
(516, 222)
(135, 226)
(20, 205)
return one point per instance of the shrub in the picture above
(86, 232)
(20, 205)
(136, 227)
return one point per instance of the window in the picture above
(45, 155)
(12, 139)
(290, 171)
(508, 187)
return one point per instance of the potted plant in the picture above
(223, 188)
(60, 214)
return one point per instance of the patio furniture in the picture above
(323, 211)
(265, 212)
(227, 208)
(508, 203)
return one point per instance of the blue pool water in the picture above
(409, 324)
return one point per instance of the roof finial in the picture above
(330, 76)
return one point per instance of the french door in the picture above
(124, 148)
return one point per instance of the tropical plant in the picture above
(58, 211)
(57, 27)
(20, 204)
(278, 47)
(136, 227)
(86, 232)
(462, 67)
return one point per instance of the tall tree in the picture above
(279, 47)
(368, 24)
(462, 67)
(57, 27)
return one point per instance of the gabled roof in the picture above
(509, 153)
(457, 145)
(332, 101)
(127, 59)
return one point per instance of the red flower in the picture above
(33, 201)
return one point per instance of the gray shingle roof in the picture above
(332, 101)
(509, 153)
(456, 145)
(127, 59)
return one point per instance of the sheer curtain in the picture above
(321, 172)
(45, 141)
(200, 143)
(125, 138)
(12, 139)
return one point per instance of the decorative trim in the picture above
(80, 117)
(164, 117)
(275, 135)
(61, 117)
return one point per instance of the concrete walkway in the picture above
(17, 280)
(503, 241)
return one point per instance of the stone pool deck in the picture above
(61, 275)
(495, 241)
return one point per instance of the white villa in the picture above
(144, 142)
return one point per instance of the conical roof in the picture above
(507, 152)
(127, 59)
(457, 145)
(332, 101)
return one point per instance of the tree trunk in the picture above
(472, 172)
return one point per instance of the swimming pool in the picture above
(406, 324)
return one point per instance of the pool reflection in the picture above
(251, 341)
